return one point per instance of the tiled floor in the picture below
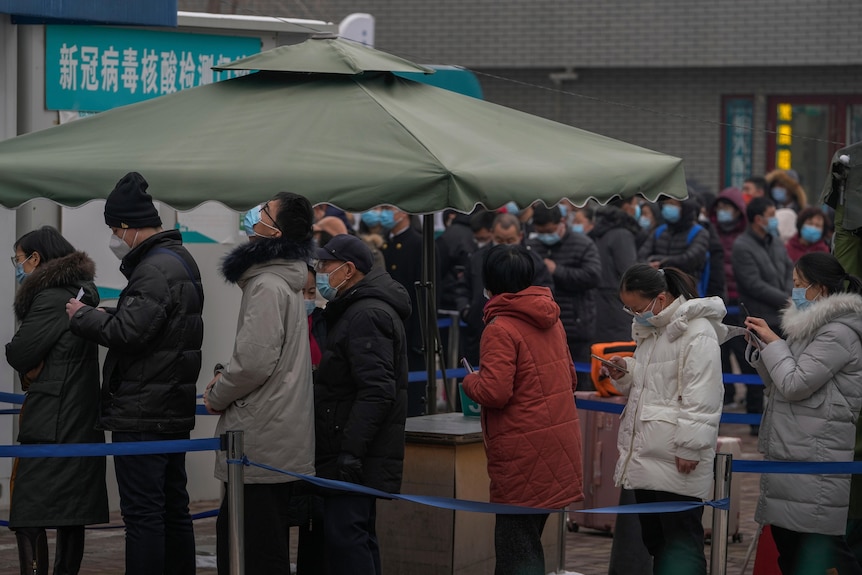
(586, 552)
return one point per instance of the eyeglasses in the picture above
(15, 260)
(634, 313)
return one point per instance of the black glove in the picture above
(464, 313)
(349, 468)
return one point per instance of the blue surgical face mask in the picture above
(811, 234)
(772, 226)
(249, 219)
(512, 208)
(779, 195)
(799, 299)
(563, 210)
(387, 219)
(578, 228)
(643, 319)
(549, 239)
(644, 222)
(371, 218)
(725, 216)
(670, 213)
(20, 274)
(637, 214)
(328, 292)
(310, 306)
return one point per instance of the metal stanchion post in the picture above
(235, 505)
(561, 566)
(718, 553)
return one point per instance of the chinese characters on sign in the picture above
(739, 119)
(96, 68)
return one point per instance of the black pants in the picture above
(675, 540)
(804, 553)
(155, 507)
(518, 544)
(351, 534)
(271, 509)
(629, 556)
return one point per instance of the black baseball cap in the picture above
(347, 248)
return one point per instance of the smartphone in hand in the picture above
(467, 365)
(608, 363)
(744, 309)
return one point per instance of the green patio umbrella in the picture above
(328, 119)
(356, 139)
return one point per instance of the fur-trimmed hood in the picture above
(72, 270)
(794, 189)
(802, 324)
(262, 251)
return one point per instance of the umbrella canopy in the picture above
(355, 140)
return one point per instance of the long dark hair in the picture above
(825, 269)
(650, 282)
(47, 241)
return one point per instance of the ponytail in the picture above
(825, 269)
(650, 282)
(854, 285)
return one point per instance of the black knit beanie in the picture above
(130, 206)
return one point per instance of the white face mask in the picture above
(119, 246)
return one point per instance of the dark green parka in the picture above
(62, 404)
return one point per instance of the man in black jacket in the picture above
(149, 378)
(574, 263)
(360, 397)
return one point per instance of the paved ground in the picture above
(587, 552)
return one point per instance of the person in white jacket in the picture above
(669, 427)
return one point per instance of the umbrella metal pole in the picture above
(429, 270)
(718, 553)
(235, 504)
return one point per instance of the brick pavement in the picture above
(587, 551)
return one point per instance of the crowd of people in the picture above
(323, 389)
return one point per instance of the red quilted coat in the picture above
(525, 387)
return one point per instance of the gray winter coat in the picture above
(266, 390)
(814, 389)
(764, 275)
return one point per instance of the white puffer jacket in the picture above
(814, 393)
(675, 398)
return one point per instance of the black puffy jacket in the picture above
(153, 337)
(576, 276)
(360, 394)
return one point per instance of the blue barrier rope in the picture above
(617, 408)
(479, 506)
(104, 449)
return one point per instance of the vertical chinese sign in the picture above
(739, 121)
(92, 68)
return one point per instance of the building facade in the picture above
(735, 88)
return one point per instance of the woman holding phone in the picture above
(525, 387)
(60, 374)
(670, 424)
(813, 382)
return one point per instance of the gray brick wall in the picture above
(605, 34)
(673, 111)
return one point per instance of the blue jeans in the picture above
(154, 502)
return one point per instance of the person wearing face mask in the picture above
(784, 189)
(764, 276)
(678, 243)
(453, 249)
(470, 298)
(810, 226)
(669, 428)
(728, 219)
(360, 397)
(574, 264)
(150, 374)
(266, 387)
(402, 250)
(248, 220)
(811, 377)
(59, 372)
